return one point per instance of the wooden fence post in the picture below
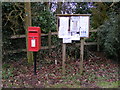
(81, 55)
(27, 24)
(98, 42)
(1, 46)
(63, 57)
(49, 42)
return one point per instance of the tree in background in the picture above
(13, 22)
(83, 8)
(109, 32)
(43, 17)
(99, 14)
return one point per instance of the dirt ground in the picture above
(99, 72)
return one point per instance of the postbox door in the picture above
(33, 44)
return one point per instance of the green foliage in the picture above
(92, 37)
(7, 71)
(72, 51)
(109, 34)
(43, 17)
(13, 24)
(12, 18)
(99, 14)
(83, 8)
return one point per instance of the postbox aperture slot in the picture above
(32, 31)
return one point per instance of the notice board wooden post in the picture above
(81, 54)
(98, 42)
(63, 57)
(49, 42)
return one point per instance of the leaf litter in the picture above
(96, 69)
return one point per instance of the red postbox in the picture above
(34, 39)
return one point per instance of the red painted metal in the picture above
(34, 39)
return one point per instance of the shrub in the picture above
(109, 34)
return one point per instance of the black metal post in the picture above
(35, 53)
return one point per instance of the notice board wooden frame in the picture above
(81, 43)
(69, 15)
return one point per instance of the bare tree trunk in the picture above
(27, 24)
(64, 8)
(59, 8)
(46, 5)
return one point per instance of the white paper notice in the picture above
(74, 27)
(33, 43)
(75, 36)
(84, 26)
(63, 29)
(67, 40)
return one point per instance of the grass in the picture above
(62, 85)
(68, 81)
(108, 84)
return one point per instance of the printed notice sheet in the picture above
(74, 24)
(84, 26)
(67, 40)
(75, 36)
(63, 29)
